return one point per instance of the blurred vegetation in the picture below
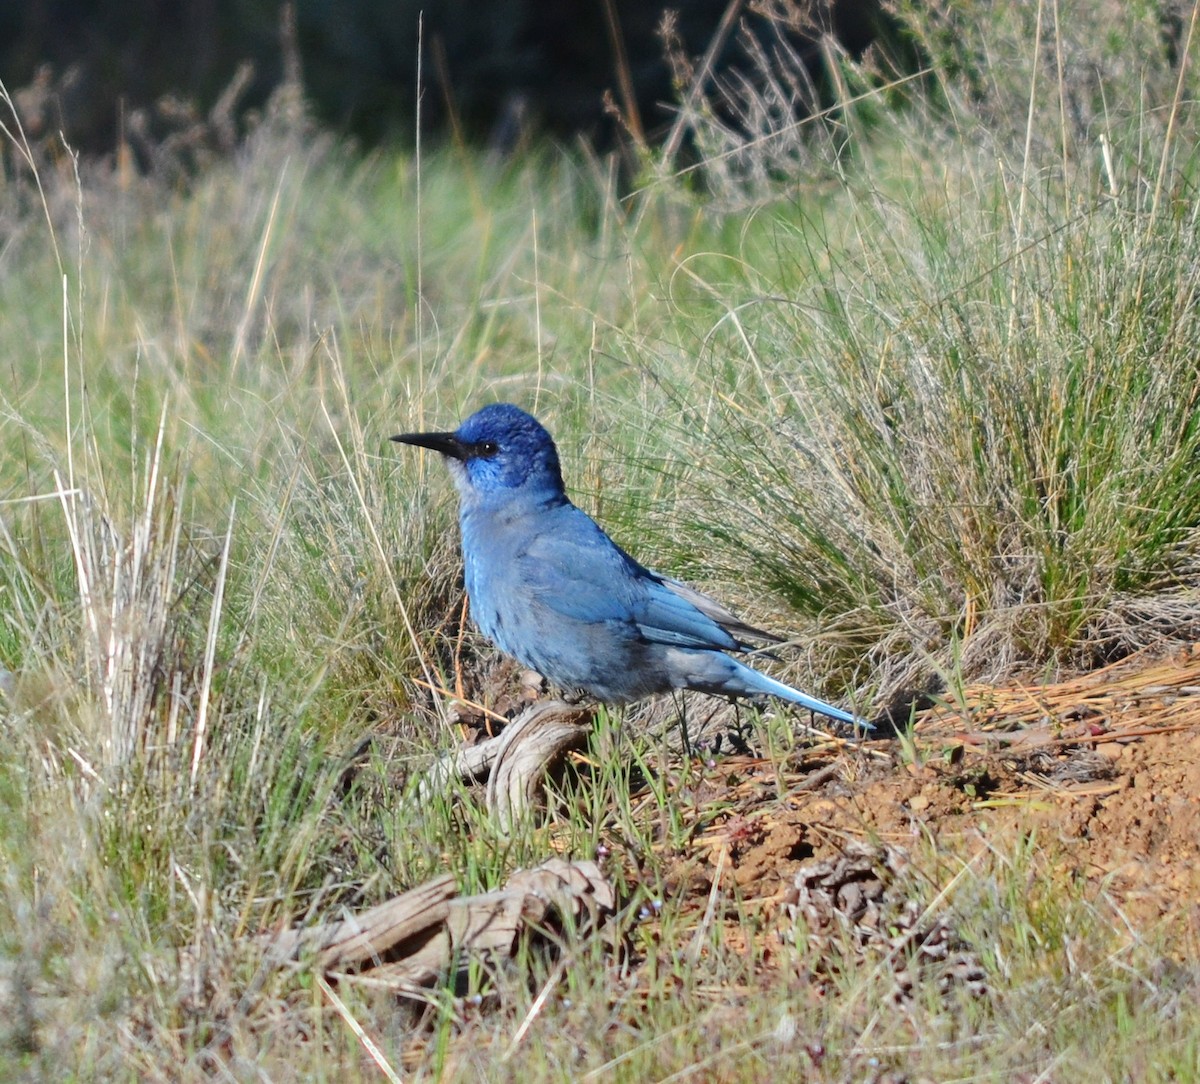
(542, 64)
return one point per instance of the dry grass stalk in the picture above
(1125, 695)
(126, 589)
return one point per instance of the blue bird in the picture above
(550, 588)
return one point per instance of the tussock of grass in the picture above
(932, 408)
(956, 467)
(951, 411)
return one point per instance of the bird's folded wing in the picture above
(710, 607)
(585, 576)
(670, 617)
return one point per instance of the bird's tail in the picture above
(744, 681)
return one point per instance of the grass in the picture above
(930, 406)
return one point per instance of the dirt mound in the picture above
(1104, 769)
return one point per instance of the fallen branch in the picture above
(528, 749)
(421, 937)
(515, 763)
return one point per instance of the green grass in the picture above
(925, 400)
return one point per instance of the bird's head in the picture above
(497, 450)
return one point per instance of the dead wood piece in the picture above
(557, 882)
(527, 750)
(373, 933)
(514, 763)
(411, 941)
(471, 763)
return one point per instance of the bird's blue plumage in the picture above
(549, 587)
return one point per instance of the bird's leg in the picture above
(681, 706)
(738, 733)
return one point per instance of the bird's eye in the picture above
(487, 448)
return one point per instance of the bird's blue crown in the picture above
(512, 449)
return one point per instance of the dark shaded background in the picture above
(484, 60)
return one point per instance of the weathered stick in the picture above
(417, 938)
(528, 749)
(515, 763)
(402, 923)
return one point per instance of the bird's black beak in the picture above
(446, 443)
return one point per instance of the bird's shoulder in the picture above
(567, 540)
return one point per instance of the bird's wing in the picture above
(670, 616)
(710, 607)
(577, 571)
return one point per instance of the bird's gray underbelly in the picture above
(607, 659)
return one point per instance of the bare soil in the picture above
(1103, 771)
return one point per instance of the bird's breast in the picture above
(492, 576)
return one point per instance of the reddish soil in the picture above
(1103, 770)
